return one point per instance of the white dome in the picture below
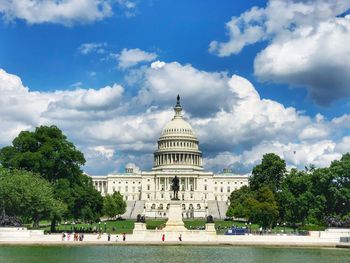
(177, 126)
(178, 146)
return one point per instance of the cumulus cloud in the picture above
(114, 129)
(132, 57)
(307, 45)
(66, 12)
(204, 92)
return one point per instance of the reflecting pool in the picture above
(179, 254)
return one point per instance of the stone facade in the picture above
(177, 154)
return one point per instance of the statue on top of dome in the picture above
(178, 99)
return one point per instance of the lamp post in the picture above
(250, 227)
(105, 227)
(284, 227)
(277, 227)
(99, 227)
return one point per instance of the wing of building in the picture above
(149, 192)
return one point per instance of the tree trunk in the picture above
(36, 222)
(53, 224)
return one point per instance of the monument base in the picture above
(175, 222)
(139, 230)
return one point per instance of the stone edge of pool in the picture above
(171, 243)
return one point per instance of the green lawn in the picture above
(126, 226)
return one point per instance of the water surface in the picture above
(178, 254)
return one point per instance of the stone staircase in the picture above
(129, 207)
(217, 209)
(138, 209)
(222, 206)
(133, 208)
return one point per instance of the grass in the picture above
(127, 226)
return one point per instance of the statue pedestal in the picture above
(210, 231)
(139, 230)
(175, 222)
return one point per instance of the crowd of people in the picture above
(67, 236)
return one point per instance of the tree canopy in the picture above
(46, 151)
(269, 173)
(114, 205)
(314, 196)
(28, 196)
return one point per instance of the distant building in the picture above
(149, 192)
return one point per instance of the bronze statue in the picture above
(140, 219)
(210, 219)
(175, 186)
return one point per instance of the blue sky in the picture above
(105, 71)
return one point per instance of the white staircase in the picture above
(217, 209)
(137, 209)
(129, 207)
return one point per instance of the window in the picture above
(113, 189)
(119, 189)
(133, 189)
(148, 187)
(126, 188)
(126, 197)
(162, 196)
(205, 187)
(221, 189)
(228, 189)
(215, 189)
(148, 196)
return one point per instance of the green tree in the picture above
(340, 187)
(263, 208)
(28, 196)
(269, 173)
(47, 151)
(238, 200)
(296, 200)
(114, 205)
(110, 208)
(121, 204)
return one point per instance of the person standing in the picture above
(109, 237)
(163, 237)
(180, 237)
(124, 236)
(117, 238)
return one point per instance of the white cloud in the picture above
(114, 129)
(66, 12)
(307, 45)
(88, 48)
(132, 57)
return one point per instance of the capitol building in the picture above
(149, 192)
